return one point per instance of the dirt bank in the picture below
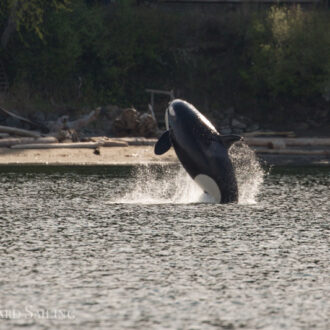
(130, 155)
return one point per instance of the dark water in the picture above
(123, 248)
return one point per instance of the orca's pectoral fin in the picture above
(228, 140)
(163, 144)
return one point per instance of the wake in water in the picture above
(172, 184)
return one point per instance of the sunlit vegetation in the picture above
(79, 52)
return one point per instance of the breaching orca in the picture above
(202, 151)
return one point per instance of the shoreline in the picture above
(129, 156)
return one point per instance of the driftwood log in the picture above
(131, 123)
(302, 152)
(26, 140)
(147, 126)
(127, 122)
(138, 141)
(282, 143)
(33, 124)
(261, 133)
(75, 145)
(109, 142)
(19, 131)
(64, 129)
(63, 122)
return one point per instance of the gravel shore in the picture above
(130, 155)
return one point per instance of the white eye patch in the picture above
(172, 112)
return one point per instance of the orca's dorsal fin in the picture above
(163, 144)
(228, 140)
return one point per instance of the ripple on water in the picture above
(67, 245)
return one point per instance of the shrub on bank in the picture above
(288, 57)
(260, 62)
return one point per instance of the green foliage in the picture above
(133, 53)
(93, 54)
(50, 62)
(28, 15)
(288, 54)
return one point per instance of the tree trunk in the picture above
(11, 25)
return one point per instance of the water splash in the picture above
(249, 172)
(171, 184)
(162, 184)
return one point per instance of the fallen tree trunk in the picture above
(274, 143)
(292, 152)
(89, 145)
(260, 133)
(138, 141)
(19, 131)
(31, 123)
(109, 142)
(63, 122)
(114, 144)
(132, 123)
(84, 121)
(27, 140)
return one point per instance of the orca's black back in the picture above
(200, 150)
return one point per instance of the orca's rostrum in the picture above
(200, 148)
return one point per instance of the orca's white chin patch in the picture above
(209, 186)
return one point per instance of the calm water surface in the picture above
(120, 248)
